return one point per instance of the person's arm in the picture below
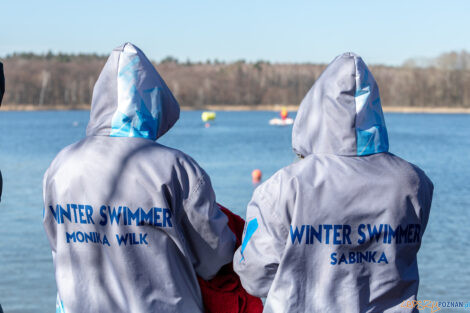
(2, 90)
(206, 231)
(256, 261)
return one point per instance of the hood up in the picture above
(130, 99)
(341, 114)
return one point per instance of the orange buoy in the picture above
(207, 125)
(256, 176)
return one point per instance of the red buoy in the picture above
(256, 176)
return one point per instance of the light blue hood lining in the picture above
(130, 99)
(341, 114)
(371, 133)
(139, 110)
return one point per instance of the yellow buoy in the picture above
(284, 113)
(207, 116)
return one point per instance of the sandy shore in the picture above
(32, 107)
(436, 110)
(262, 107)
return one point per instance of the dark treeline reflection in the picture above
(65, 79)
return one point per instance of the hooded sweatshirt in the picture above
(339, 230)
(131, 222)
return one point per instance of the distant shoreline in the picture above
(261, 107)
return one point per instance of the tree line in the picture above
(68, 79)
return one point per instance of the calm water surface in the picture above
(237, 143)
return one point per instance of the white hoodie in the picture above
(339, 230)
(131, 222)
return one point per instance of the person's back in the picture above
(2, 90)
(131, 222)
(339, 230)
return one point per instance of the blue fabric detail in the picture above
(59, 305)
(250, 230)
(372, 140)
(363, 92)
(138, 110)
(371, 133)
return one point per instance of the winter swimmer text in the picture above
(112, 215)
(341, 234)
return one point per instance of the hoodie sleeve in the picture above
(424, 194)
(206, 230)
(256, 261)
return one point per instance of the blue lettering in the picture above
(352, 257)
(167, 218)
(157, 212)
(417, 233)
(385, 233)
(392, 234)
(383, 258)
(374, 232)
(89, 213)
(362, 256)
(133, 216)
(146, 218)
(307, 236)
(143, 239)
(314, 232)
(401, 235)
(81, 214)
(132, 239)
(361, 233)
(333, 258)
(104, 217)
(65, 213)
(105, 241)
(327, 228)
(336, 234)
(410, 233)
(296, 234)
(113, 215)
(56, 215)
(372, 256)
(121, 239)
(346, 233)
(79, 235)
(70, 237)
(74, 207)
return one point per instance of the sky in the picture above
(382, 32)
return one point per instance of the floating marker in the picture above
(208, 116)
(256, 176)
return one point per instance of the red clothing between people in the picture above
(225, 293)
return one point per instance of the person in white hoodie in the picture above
(2, 91)
(131, 222)
(339, 230)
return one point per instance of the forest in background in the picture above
(68, 80)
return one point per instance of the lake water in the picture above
(237, 143)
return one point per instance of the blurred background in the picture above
(246, 61)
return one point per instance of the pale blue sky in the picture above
(385, 32)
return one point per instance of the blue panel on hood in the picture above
(371, 133)
(372, 140)
(138, 110)
(341, 114)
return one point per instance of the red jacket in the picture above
(224, 293)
